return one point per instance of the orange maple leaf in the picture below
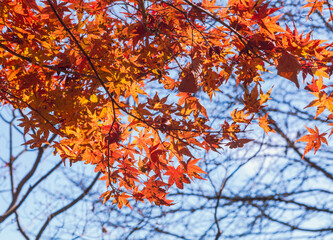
(177, 176)
(323, 101)
(193, 170)
(314, 140)
(264, 124)
(121, 200)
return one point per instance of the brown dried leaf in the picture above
(190, 81)
(288, 67)
(188, 84)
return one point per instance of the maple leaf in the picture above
(106, 196)
(168, 82)
(191, 77)
(264, 124)
(240, 116)
(182, 97)
(188, 84)
(288, 67)
(314, 140)
(81, 63)
(177, 176)
(122, 200)
(323, 101)
(193, 170)
(238, 143)
(315, 86)
(265, 97)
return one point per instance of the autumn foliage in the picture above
(81, 70)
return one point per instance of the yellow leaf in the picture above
(264, 124)
(93, 98)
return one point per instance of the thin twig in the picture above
(19, 227)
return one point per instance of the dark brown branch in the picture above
(17, 192)
(324, 21)
(226, 178)
(19, 227)
(292, 227)
(68, 206)
(169, 233)
(10, 164)
(14, 207)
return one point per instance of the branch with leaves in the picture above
(83, 71)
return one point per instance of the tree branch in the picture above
(14, 207)
(68, 206)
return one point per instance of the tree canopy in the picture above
(83, 71)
